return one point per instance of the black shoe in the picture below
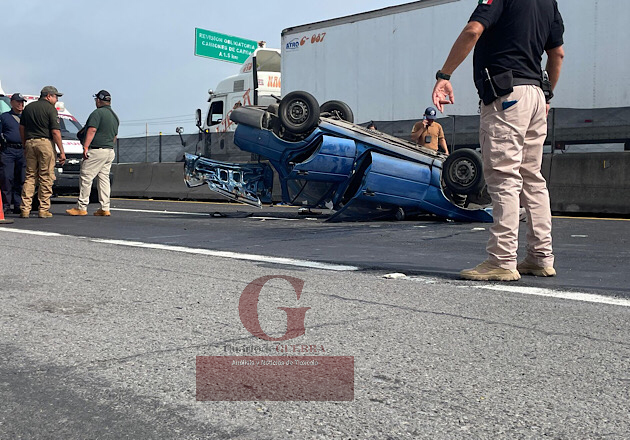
(16, 210)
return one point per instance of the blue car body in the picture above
(362, 174)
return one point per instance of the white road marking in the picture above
(197, 251)
(148, 211)
(41, 233)
(232, 255)
(573, 296)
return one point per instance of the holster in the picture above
(495, 86)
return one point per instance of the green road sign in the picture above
(223, 47)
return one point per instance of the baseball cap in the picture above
(103, 95)
(18, 97)
(430, 113)
(50, 90)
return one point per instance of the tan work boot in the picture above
(24, 214)
(101, 213)
(45, 214)
(527, 268)
(487, 271)
(76, 211)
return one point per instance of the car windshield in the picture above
(5, 104)
(69, 128)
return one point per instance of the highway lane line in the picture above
(196, 251)
(149, 211)
(231, 255)
(573, 296)
(200, 214)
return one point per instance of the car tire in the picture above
(463, 172)
(339, 109)
(299, 112)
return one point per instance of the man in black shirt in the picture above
(510, 37)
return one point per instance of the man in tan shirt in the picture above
(428, 133)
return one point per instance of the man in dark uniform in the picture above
(12, 162)
(510, 37)
(39, 127)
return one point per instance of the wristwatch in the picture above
(442, 75)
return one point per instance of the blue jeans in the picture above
(12, 174)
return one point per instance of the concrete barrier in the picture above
(597, 183)
(131, 179)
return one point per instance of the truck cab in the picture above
(257, 83)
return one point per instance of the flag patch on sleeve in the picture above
(485, 2)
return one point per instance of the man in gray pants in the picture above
(98, 155)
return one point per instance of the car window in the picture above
(215, 114)
(5, 104)
(69, 127)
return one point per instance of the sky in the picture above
(142, 52)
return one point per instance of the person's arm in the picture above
(23, 136)
(443, 90)
(89, 137)
(555, 57)
(442, 143)
(56, 134)
(417, 130)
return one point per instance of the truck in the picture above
(382, 63)
(257, 83)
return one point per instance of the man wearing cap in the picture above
(98, 155)
(12, 162)
(39, 128)
(428, 133)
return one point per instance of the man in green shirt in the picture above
(39, 127)
(98, 155)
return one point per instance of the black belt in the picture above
(525, 82)
(13, 145)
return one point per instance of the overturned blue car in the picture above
(323, 159)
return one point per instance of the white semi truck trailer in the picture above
(383, 63)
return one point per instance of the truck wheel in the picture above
(463, 172)
(299, 112)
(338, 109)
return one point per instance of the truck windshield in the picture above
(268, 60)
(5, 104)
(69, 128)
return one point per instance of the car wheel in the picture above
(463, 172)
(338, 109)
(299, 112)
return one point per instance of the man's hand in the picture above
(85, 153)
(61, 158)
(425, 122)
(443, 94)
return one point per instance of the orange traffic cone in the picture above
(3, 221)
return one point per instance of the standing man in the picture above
(510, 37)
(12, 162)
(98, 155)
(428, 133)
(39, 128)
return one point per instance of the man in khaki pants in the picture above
(98, 155)
(39, 126)
(510, 37)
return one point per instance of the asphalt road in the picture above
(101, 320)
